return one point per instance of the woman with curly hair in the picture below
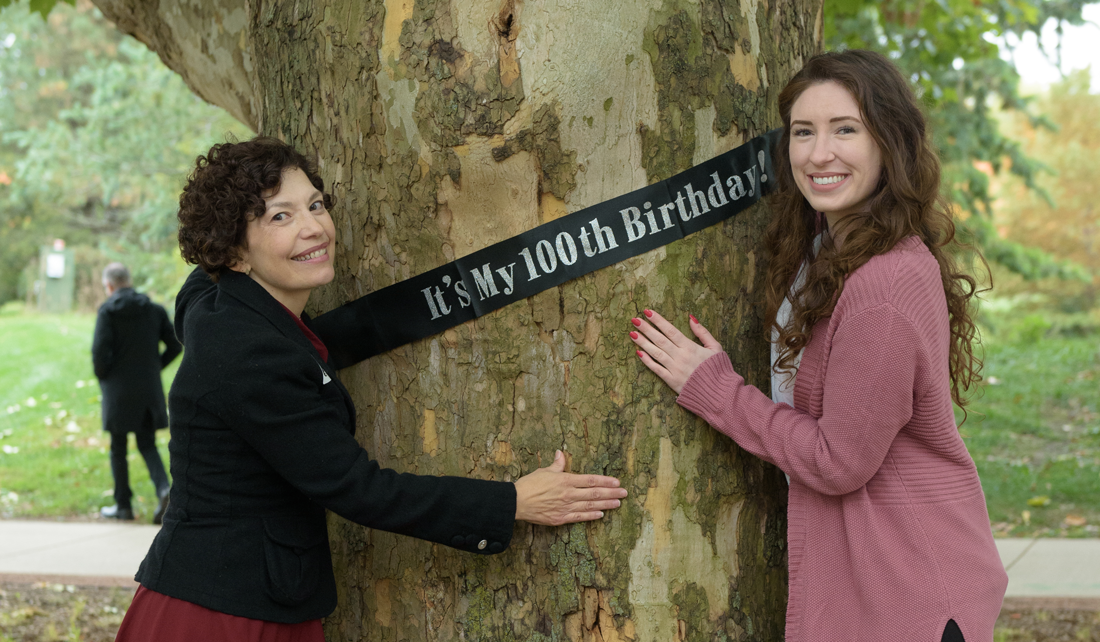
(888, 533)
(263, 432)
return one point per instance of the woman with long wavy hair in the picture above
(872, 333)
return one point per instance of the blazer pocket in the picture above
(294, 554)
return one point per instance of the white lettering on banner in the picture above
(635, 229)
(431, 304)
(603, 233)
(588, 251)
(547, 259)
(442, 309)
(751, 173)
(567, 249)
(483, 279)
(533, 274)
(464, 299)
(737, 188)
(545, 255)
(664, 210)
(653, 221)
(715, 194)
(698, 200)
(684, 216)
(506, 274)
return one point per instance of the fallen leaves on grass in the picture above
(1075, 520)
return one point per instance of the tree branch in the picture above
(204, 41)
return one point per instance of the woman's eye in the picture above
(317, 205)
(846, 130)
(275, 218)
(802, 132)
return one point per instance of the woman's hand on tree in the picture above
(667, 352)
(552, 497)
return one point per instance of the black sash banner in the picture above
(552, 253)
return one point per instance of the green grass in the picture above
(1034, 434)
(54, 459)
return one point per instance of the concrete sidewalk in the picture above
(84, 553)
(1049, 567)
(99, 553)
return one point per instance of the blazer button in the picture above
(496, 547)
(482, 544)
(457, 541)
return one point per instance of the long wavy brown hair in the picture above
(907, 202)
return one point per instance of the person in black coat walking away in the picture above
(127, 360)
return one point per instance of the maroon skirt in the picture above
(155, 616)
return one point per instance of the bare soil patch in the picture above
(1049, 620)
(33, 610)
(49, 611)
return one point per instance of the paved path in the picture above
(110, 552)
(1050, 567)
(93, 553)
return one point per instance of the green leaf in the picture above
(41, 7)
(950, 50)
(76, 141)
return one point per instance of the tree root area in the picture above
(48, 611)
(1049, 620)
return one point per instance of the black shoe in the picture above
(116, 512)
(162, 506)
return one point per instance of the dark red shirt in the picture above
(317, 345)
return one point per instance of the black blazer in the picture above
(127, 360)
(262, 443)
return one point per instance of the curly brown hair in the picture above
(226, 191)
(906, 202)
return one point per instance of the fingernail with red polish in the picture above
(633, 335)
(649, 313)
(639, 353)
(693, 319)
(637, 322)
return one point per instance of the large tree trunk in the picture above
(443, 127)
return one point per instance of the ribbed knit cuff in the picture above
(708, 390)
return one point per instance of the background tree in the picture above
(95, 137)
(1071, 226)
(444, 127)
(952, 52)
(1068, 224)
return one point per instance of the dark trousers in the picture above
(146, 443)
(951, 633)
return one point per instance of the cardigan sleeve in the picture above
(277, 405)
(867, 398)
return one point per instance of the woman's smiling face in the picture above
(289, 245)
(835, 160)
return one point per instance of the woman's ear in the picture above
(242, 266)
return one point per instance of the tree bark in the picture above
(443, 127)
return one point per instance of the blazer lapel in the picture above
(256, 297)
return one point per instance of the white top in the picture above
(783, 382)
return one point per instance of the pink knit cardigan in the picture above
(888, 532)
